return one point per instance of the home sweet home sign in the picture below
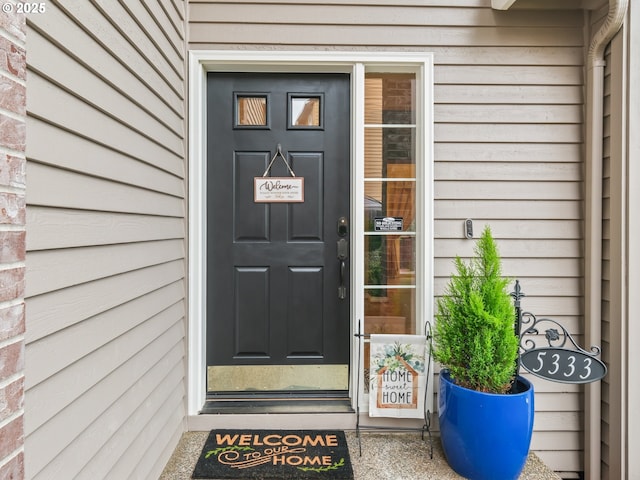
(397, 376)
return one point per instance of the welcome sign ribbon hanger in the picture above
(284, 159)
(268, 189)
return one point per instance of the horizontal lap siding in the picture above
(508, 139)
(105, 276)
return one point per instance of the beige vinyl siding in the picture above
(508, 154)
(508, 140)
(105, 340)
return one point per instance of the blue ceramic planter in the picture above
(485, 436)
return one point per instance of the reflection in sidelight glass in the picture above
(390, 199)
(393, 313)
(389, 98)
(386, 149)
(389, 260)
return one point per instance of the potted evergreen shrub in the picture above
(485, 410)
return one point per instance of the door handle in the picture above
(343, 254)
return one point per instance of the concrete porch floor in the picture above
(385, 456)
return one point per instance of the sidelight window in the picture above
(389, 204)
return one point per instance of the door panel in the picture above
(251, 319)
(307, 218)
(250, 220)
(272, 268)
(306, 287)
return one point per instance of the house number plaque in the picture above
(554, 362)
(563, 365)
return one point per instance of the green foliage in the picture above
(389, 358)
(226, 449)
(334, 466)
(375, 271)
(474, 332)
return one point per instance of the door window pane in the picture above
(305, 111)
(251, 111)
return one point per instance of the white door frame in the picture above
(354, 63)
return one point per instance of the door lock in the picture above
(343, 227)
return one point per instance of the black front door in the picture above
(277, 291)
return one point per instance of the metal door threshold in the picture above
(279, 404)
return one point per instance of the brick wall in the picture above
(12, 238)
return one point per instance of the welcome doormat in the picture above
(275, 455)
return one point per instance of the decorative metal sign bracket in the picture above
(554, 361)
(426, 428)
